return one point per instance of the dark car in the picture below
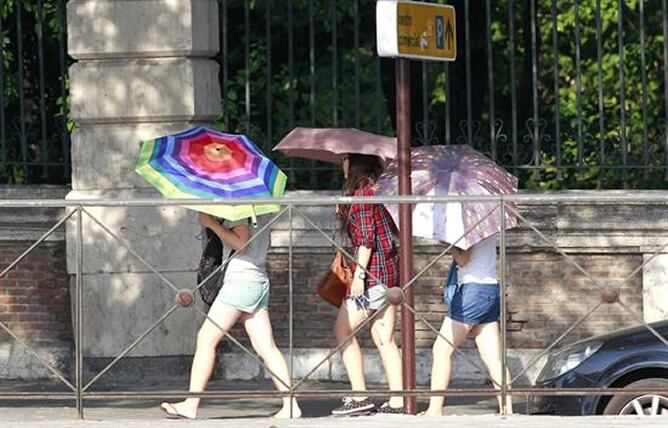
(633, 358)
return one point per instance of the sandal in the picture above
(172, 412)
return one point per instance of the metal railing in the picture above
(79, 388)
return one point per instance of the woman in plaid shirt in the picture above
(373, 235)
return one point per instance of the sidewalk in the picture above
(113, 418)
(251, 413)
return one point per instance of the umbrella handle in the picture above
(253, 216)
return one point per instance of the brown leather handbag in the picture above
(337, 281)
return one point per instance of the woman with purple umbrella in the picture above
(473, 301)
(472, 289)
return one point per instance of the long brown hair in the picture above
(361, 168)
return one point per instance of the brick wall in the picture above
(545, 296)
(35, 295)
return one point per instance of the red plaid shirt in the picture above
(370, 225)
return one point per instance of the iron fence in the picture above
(79, 388)
(34, 129)
(564, 93)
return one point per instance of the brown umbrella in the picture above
(332, 144)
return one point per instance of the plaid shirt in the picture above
(370, 225)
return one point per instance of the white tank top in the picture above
(481, 268)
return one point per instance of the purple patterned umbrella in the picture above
(453, 170)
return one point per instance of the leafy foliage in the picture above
(34, 140)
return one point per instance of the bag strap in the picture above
(452, 276)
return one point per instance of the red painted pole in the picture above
(406, 227)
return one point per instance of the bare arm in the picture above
(363, 257)
(235, 238)
(462, 258)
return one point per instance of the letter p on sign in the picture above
(440, 33)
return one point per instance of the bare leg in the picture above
(208, 338)
(455, 333)
(348, 319)
(382, 332)
(258, 327)
(488, 341)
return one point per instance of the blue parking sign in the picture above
(440, 32)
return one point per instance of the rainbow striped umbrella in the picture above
(205, 164)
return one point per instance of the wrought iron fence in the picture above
(79, 389)
(564, 93)
(34, 129)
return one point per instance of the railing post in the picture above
(405, 228)
(502, 282)
(78, 343)
(291, 307)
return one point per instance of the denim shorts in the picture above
(373, 298)
(473, 303)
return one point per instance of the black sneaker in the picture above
(387, 409)
(353, 407)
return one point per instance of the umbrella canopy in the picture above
(202, 163)
(453, 170)
(332, 144)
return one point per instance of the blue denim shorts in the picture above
(473, 303)
(373, 298)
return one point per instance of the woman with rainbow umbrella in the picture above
(206, 164)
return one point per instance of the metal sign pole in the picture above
(406, 227)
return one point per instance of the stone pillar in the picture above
(655, 288)
(143, 69)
